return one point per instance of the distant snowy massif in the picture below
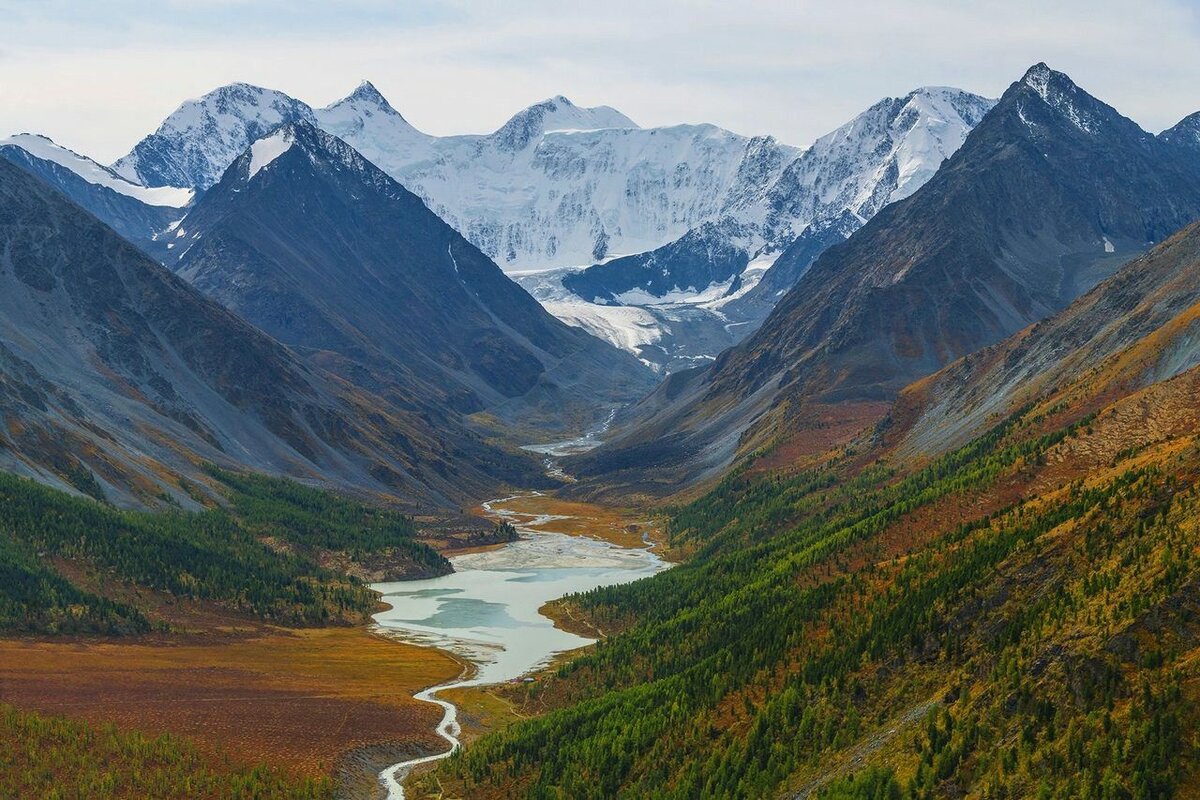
(664, 241)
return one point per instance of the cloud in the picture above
(100, 77)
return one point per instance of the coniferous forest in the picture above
(221, 555)
(973, 638)
(819, 422)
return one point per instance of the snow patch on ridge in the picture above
(264, 151)
(44, 148)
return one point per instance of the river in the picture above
(486, 612)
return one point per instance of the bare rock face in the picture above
(1139, 328)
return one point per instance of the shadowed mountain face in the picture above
(1026, 560)
(1140, 327)
(137, 213)
(119, 379)
(1049, 194)
(310, 242)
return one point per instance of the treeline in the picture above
(316, 519)
(794, 635)
(221, 555)
(35, 598)
(59, 759)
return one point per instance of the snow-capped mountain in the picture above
(683, 222)
(379, 131)
(555, 115)
(715, 284)
(135, 211)
(704, 211)
(199, 140)
(881, 156)
(558, 184)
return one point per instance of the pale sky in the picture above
(97, 76)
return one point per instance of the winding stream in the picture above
(486, 612)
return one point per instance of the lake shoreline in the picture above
(490, 613)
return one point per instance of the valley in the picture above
(489, 612)
(501, 450)
(245, 692)
(245, 696)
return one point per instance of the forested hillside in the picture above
(259, 557)
(1017, 618)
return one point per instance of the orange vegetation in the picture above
(298, 699)
(618, 526)
(811, 433)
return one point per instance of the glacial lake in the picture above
(486, 612)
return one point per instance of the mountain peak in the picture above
(194, 145)
(366, 115)
(1039, 73)
(1184, 132)
(365, 96)
(1047, 82)
(557, 114)
(944, 103)
(1057, 94)
(367, 91)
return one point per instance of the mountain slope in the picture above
(117, 379)
(1139, 328)
(200, 139)
(318, 247)
(1007, 609)
(136, 212)
(1048, 195)
(724, 276)
(883, 155)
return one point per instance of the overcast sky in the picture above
(97, 76)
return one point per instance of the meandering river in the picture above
(486, 612)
